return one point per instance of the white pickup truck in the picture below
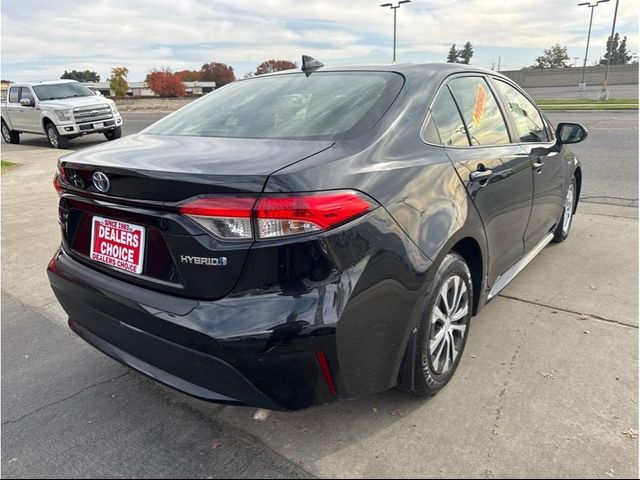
(60, 109)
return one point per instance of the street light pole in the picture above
(394, 8)
(592, 5)
(604, 93)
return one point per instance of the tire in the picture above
(55, 139)
(9, 136)
(566, 219)
(432, 370)
(113, 134)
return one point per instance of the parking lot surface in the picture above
(548, 385)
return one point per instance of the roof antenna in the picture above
(310, 65)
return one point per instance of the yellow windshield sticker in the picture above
(478, 108)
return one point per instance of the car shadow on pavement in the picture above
(75, 145)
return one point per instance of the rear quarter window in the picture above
(444, 125)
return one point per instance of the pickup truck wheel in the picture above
(55, 139)
(9, 136)
(113, 134)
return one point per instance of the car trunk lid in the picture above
(149, 177)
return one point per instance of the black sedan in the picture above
(305, 236)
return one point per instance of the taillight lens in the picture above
(56, 183)
(282, 216)
(228, 218)
(275, 216)
(58, 178)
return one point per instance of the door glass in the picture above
(26, 94)
(527, 118)
(480, 111)
(445, 127)
(13, 95)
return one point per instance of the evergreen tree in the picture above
(613, 48)
(623, 56)
(466, 53)
(453, 54)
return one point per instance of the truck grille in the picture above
(92, 114)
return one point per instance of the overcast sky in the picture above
(40, 39)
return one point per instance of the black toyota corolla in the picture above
(296, 238)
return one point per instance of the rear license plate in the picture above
(116, 243)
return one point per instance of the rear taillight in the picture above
(56, 183)
(58, 179)
(277, 215)
(228, 218)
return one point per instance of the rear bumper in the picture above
(171, 340)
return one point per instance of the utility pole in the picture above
(604, 93)
(592, 5)
(499, 60)
(394, 8)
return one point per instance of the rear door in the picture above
(549, 170)
(495, 171)
(13, 105)
(28, 117)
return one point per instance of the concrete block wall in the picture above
(565, 77)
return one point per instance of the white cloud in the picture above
(41, 38)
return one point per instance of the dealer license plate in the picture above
(116, 243)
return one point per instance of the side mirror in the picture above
(571, 133)
(98, 93)
(26, 102)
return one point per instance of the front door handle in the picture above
(538, 164)
(480, 175)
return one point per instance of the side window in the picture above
(527, 118)
(26, 93)
(480, 110)
(13, 95)
(444, 126)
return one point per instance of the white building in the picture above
(140, 89)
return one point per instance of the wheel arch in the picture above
(578, 175)
(469, 249)
(45, 120)
(471, 246)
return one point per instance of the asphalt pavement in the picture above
(548, 386)
(70, 413)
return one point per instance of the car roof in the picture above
(417, 71)
(40, 82)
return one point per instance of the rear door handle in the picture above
(480, 175)
(538, 164)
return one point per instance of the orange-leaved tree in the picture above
(270, 66)
(165, 83)
(217, 72)
(189, 75)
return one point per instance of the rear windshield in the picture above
(325, 105)
(59, 91)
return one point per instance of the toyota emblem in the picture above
(101, 182)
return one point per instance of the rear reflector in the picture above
(326, 373)
(275, 216)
